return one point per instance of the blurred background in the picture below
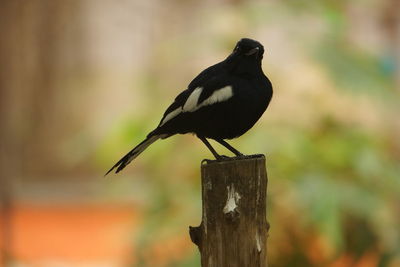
(83, 81)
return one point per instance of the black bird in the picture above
(223, 102)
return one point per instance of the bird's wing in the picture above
(205, 76)
(215, 87)
(175, 107)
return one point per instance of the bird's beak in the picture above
(253, 51)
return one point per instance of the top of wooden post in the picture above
(233, 160)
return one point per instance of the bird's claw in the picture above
(223, 157)
(226, 158)
(217, 158)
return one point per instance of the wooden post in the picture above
(233, 231)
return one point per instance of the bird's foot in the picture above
(242, 156)
(226, 158)
(251, 156)
(217, 158)
(223, 158)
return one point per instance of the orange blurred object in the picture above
(72, 234)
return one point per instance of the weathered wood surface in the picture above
(233, 231)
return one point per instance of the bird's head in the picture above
(246, 56)
(248, 48)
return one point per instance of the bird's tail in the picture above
(134, 153)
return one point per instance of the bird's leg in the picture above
(216, 155)
(228, 146)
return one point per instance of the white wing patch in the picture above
(192, 104)
(220, 95)
(171, 115)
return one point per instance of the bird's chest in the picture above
(236, 116)
(250, 99)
